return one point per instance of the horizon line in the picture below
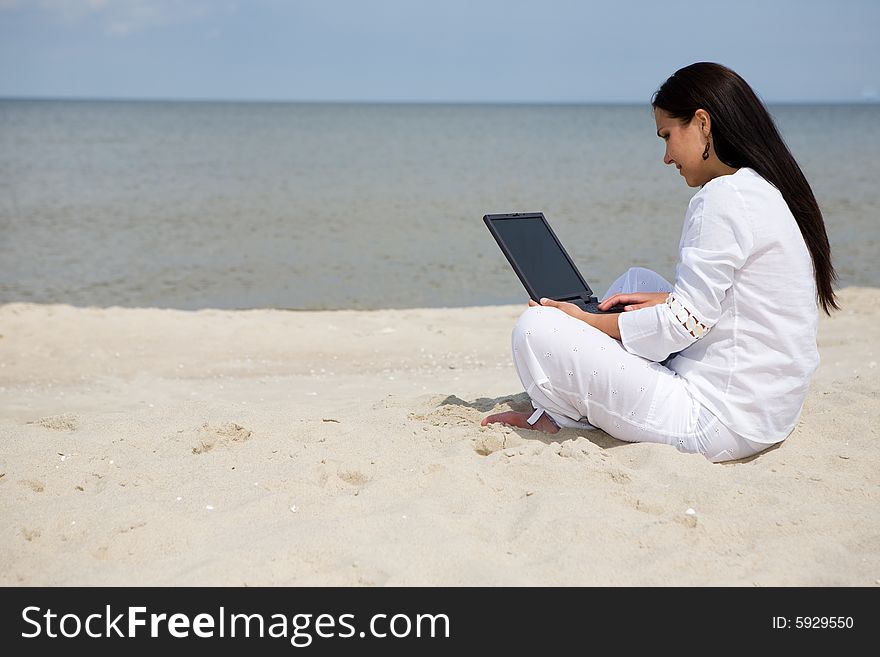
(278, 101)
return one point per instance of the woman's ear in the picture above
(705, 121)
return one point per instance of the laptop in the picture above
(540, 262)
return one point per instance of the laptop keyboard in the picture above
(593, 307)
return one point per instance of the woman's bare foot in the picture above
(514, 419)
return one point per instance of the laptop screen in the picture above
(538, 257)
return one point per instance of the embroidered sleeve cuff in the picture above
(686, 318)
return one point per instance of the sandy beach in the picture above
(165, 447)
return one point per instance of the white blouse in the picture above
(743, 313)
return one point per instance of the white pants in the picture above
(583, 378)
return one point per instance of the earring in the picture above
(706, 152)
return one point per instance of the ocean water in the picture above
(313, 206)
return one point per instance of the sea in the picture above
(310, 206)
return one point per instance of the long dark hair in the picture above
(744, 135)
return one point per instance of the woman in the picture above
(719, 362)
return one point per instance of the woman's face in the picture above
(685, 144)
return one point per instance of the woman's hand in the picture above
(634, 300)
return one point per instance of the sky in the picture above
(494, 51)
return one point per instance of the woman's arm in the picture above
(607, 323)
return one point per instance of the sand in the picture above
(163, 447)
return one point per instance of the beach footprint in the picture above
(65, 422)
(227, 435)
(33, 484)
(345, 475)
